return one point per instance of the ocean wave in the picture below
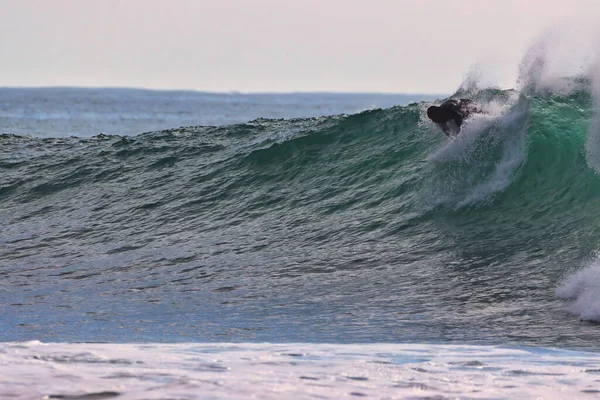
(237, 210)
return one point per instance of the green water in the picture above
(370, 227)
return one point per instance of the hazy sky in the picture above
(270, 45)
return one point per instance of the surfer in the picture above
(452, 110)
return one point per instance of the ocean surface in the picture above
(345, 229)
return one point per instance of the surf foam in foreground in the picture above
(291, 371)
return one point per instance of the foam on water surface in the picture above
(33, 370)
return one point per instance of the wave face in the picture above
(369, 227)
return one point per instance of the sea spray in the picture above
(565, 62)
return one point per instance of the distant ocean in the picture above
(188, 245)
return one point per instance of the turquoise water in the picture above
(354, 226)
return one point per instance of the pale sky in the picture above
(404, 46)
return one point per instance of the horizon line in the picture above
(223, 92)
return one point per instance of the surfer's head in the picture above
(439, 114)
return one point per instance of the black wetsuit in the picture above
(452, 110)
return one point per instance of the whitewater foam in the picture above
(291, 371)
(583, 289)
